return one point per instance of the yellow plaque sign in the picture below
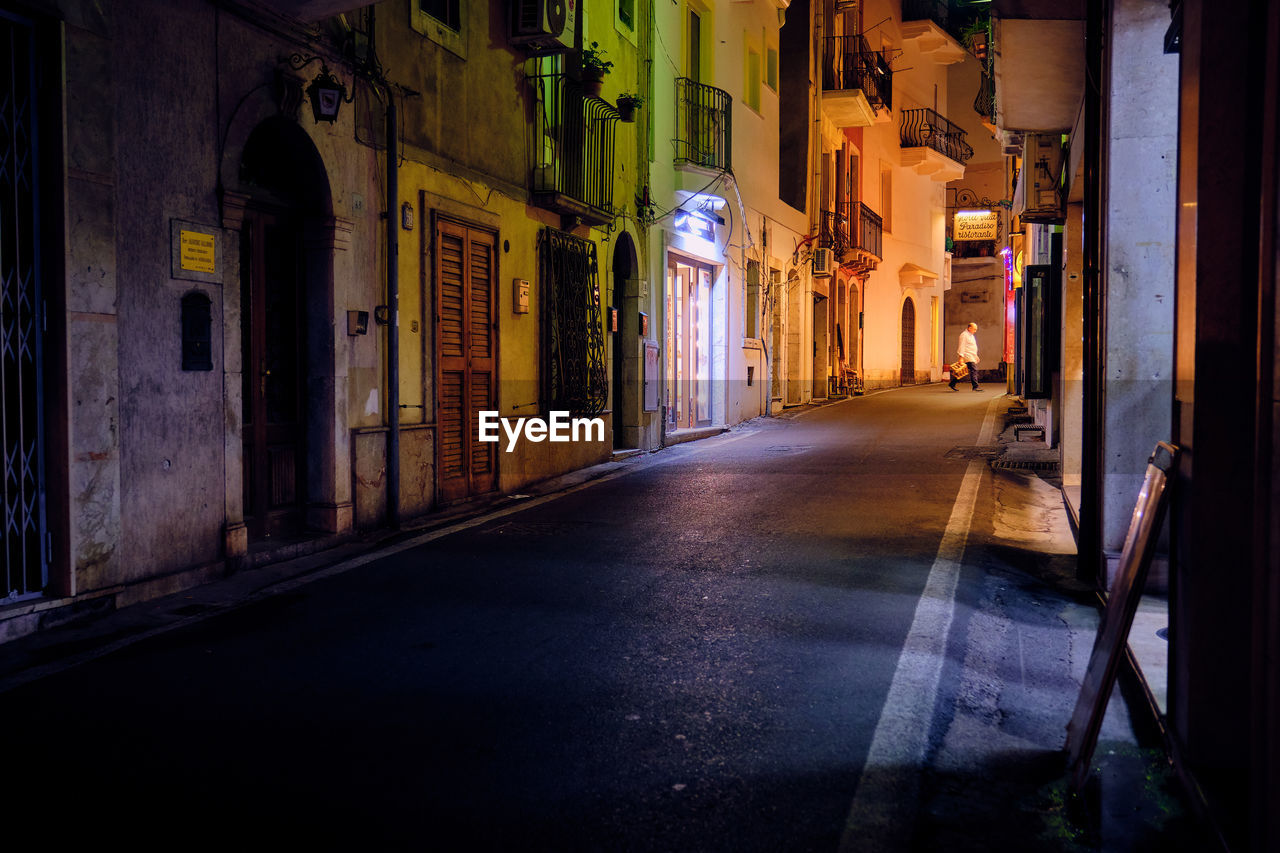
(976, 225)
(196, 252)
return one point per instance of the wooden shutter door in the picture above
(466, 359)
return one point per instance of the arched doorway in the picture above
(908, 374)
(287, 195)
(627, 368)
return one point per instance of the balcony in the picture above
(927, 24)
(985, 102)
(704, 138)
(854, 232)
(933, 146)
(857, 83)
(573, 143)
(1039, 68)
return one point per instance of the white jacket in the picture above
(968, 346)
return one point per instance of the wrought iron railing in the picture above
(937, 11)
(575, 378)
(573, 143)
(871, 231)
(985, 103)
(703, 125)
(924, 127)
(852, 225)
(849, 63)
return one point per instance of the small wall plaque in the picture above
(195, 252)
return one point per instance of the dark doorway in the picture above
(273, 335)
(23, 557)
(908, 376)
(626, 367)
(287, 190)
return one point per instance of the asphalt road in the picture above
(693, 655)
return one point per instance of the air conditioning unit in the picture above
(1043, 179)
(823, 263)
(544, 24)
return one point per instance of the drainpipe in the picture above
(1089, 566)
(393, 321)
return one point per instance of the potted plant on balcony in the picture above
(594, 67)
(975, 37)
(627, 106)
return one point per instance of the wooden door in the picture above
(273, 366)
(908, 375)
(466, 358)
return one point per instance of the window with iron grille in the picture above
(574, 375)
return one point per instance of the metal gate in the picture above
(25, 557)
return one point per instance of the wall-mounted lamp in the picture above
(326, 92)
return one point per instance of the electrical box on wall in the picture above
(357, 322)
(520, 297)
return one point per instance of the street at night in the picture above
(700, 650)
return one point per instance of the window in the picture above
(575, 378)
(771, 68)
(886, 198)
(751, 92)
(443, 22)
(752, 311)
(627, 13)
(446, 12)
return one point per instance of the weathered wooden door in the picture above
(466, 358)
(273, 338)
(908, 376)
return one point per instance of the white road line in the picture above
(883, 812)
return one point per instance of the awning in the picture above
(913, 275)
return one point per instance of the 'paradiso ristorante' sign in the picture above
(976, 225)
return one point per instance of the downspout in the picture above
(393, 320)
(1089, 565)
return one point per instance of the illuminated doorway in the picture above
(690, 318)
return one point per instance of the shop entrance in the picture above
(690, 317)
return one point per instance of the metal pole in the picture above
(393, 321)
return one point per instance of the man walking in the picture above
(968, 352)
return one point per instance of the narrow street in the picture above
(839, 630)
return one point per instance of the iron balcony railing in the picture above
(852, 226)
(985, 103)
(924, 127)
(871, 231)
(703, 125)
(937, 11)
(849, 63)
(573, 149)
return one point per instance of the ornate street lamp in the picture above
(327, 94)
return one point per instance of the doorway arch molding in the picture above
(258, 130)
